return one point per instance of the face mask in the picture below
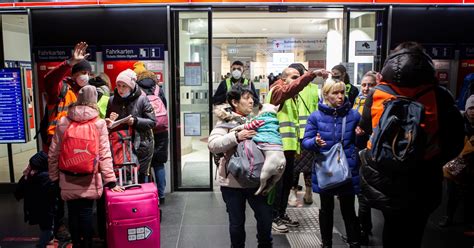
(82, 80)
(125, 95)
(336, 77)
(236, 74)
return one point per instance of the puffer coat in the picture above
(327, 121)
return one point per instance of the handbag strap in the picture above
(343, 130)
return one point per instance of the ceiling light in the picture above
(264, 29)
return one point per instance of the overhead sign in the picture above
(439, 51)
(60, 53)
(366, 48)
(133, 52)
(289, 44)
(139, 233)
(13, 125)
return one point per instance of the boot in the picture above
(292, 199)
(308, 196)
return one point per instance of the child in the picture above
(80, 159)
(268, 140)
(39, 198)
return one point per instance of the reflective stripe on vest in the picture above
(288, 118)
(229, 83)
(62, 110)
(307, 103)
(359, 104)
(429, 125)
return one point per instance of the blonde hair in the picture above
(332, 85)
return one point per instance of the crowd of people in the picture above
(387, 144)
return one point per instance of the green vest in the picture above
(229, 83)
(288, 118)
(102, 104)
(307, 103)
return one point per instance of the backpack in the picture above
(161, 114)
(399, 139)
(246, 164)
(80, 149)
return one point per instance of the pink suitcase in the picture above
(133, 217)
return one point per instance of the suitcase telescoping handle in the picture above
(131, 186)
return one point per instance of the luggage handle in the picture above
(132, 186)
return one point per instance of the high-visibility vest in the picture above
(288, 118)
(229, 83)
(307, 103)
(359, 104)
(58, 110)
(102, 104)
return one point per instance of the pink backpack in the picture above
(79, 148)
(161, 114)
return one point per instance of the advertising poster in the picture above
(350, 70)
(466, 67)
(362, 69)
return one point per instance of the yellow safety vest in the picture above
(307, 103)
(359, 104)
(229, 83)
(288, 118)
(102, 104)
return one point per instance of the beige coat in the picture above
(223, 141)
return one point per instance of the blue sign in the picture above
(12, 107)
(467, 52)
(135, 52)
(17, 64)
(439, 51)
(60, 53)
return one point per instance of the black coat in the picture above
(422, 187)
(138, 106)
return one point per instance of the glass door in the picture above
(192, 79)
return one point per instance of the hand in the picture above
(321, 73)
(79, 53)
(359, 131)
(113, 116)
(117, 189)
(245, 134)
(130, 121)
(320, 142)
(108, 122)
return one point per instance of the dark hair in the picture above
(237, 62)
(343, 69)
(299, 67)
(410, 45)
(236, 93)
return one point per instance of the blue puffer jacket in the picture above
(327, 122)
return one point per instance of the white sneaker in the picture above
(292, 199)
(279, 226)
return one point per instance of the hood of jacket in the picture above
(135, 94)
(409, 68)
(81, 113)
(148, 85)
(340, 111)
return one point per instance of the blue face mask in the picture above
(126, 95)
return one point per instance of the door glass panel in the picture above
(194, 115)
(362, 28)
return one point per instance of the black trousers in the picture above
(404, 228)
(283, 186)
(326, 218)
(365, 215)
(80, 222)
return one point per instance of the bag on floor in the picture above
(332, 168)
(246, 164)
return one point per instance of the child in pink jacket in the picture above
(80, 191)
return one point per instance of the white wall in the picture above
(333, 49)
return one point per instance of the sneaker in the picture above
(63, 234)
(289, 222)
(292, 199)
(279, 226)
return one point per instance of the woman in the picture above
(368, 81)
(80, 191)
(128, 100)
(235, 197)
(323, 130)
(339, 72)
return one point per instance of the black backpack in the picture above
(399, 140)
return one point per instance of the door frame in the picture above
(174, 113)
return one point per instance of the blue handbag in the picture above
(332, 168)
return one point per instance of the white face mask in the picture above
(126, 94)
(236, 74)
(82, 80)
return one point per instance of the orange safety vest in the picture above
(62, 108)
(429, 124)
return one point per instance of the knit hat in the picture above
(39, 161)
(470, 102)
(128, 77)
(87, 95)
(299, 67)
(139, 67)
(84, 65)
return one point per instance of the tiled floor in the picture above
(199, 220)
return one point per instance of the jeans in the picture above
(326, 218)
(235, 200)
(283, 186)
(160, 175)
(80, 222)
